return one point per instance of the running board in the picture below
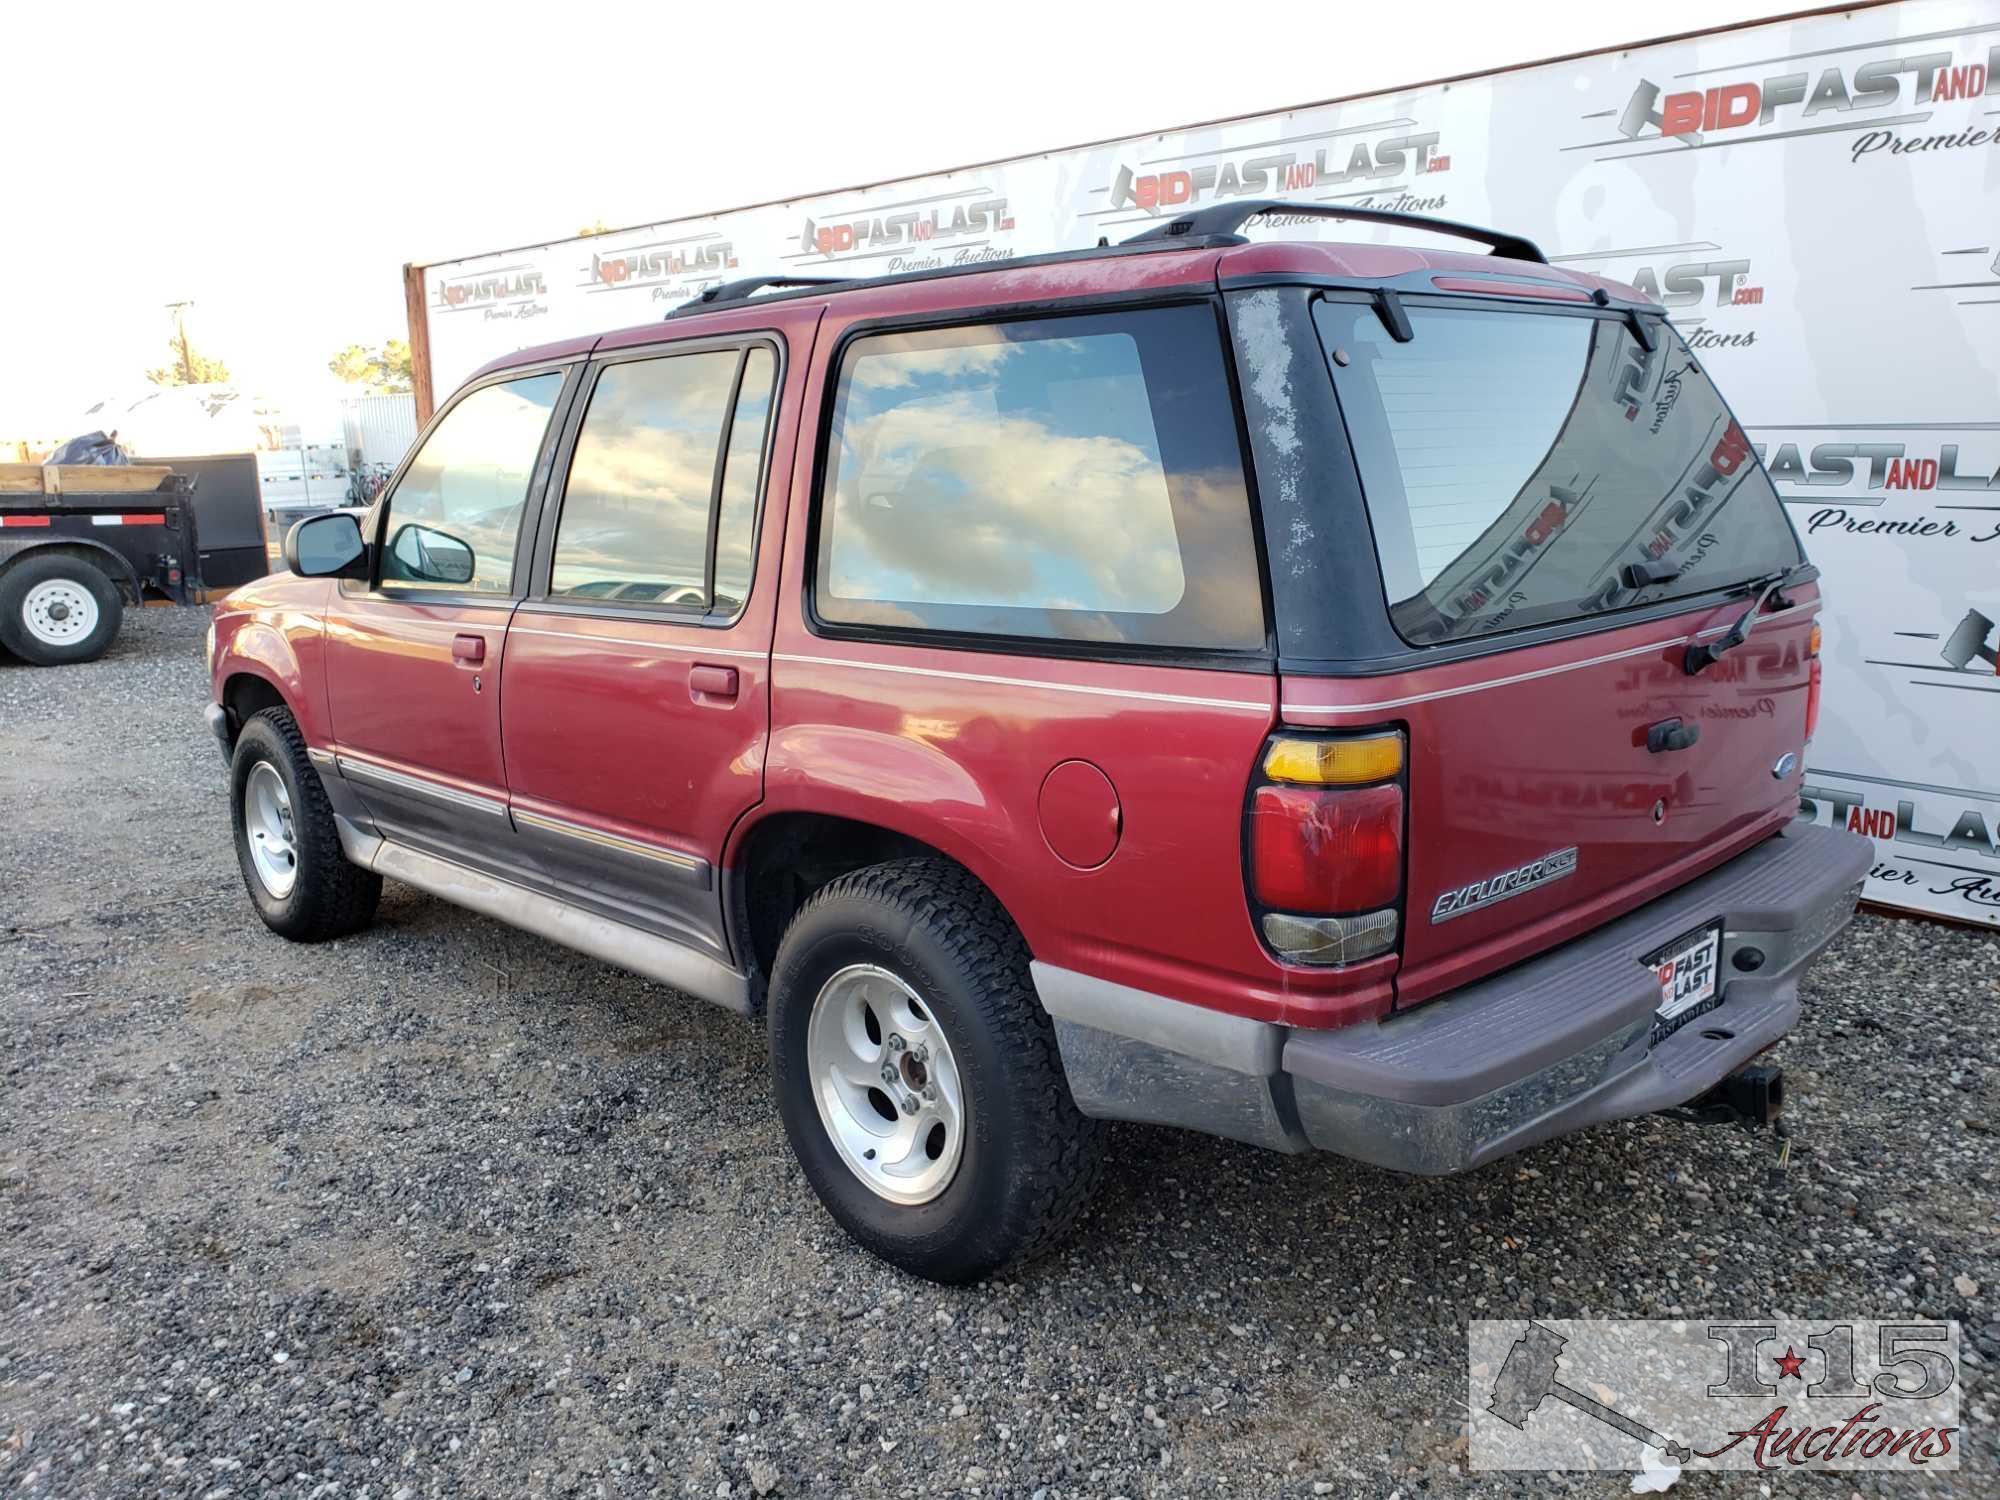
(643, 953)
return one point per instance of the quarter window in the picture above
(454, 519)
(647, 502)
(1060, 478)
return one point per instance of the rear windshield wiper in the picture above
(1699, 656)
(1639, 575)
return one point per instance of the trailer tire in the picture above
(56, 609)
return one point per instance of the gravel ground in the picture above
(443, 1211)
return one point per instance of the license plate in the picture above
(1688, 971)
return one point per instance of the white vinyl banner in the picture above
(1816, 202)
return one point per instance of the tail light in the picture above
(1812, 683)
(1325, 846)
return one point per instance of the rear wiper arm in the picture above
(1699, 656)
(1639, 575)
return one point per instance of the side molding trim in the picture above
(370, 774)
(643, 953)
(687, 866)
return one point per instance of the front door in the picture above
(635, 693)
(414, 657)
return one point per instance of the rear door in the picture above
(1557, 512)
(636, 695)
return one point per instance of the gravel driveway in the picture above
(445, 1211)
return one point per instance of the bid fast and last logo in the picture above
(1887, 104)
(952, 228)
(516, 291)
(669, 269)
(1701, 284)
(1378, 169)
(1947, 851)
(1929, 489)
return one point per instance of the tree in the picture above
(383, 368)
(187, 366)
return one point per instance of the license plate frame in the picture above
(1689, 971)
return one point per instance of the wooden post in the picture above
(420, 340)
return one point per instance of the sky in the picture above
(275, 165)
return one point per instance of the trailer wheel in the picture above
(56, 609)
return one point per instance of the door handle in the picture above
(468, 648)
(1671, 734)
(711, 682)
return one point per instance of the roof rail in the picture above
(738, 290)
(1223, 220)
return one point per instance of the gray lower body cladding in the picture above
(217, 719)
(1552, 1045)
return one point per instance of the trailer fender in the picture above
(106, 560)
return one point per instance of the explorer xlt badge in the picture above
(1515, 882)
(906, 664)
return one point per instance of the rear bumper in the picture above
(1552, 1045)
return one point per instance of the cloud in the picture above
(636, 506)
(957, 503)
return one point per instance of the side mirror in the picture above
(327, 547)
(420, 555)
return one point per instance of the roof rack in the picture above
(1221, 221)
(743, 287)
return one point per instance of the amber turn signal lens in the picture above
(1350, 762)
(1812, 641)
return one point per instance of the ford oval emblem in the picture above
(1786, 764)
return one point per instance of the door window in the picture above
(1071, 478)
(454, 519)
(660, 505)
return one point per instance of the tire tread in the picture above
(19, 577)
(1062, 1160)
(344, 897)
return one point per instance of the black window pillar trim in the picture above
(1327, 601)
(716, 483)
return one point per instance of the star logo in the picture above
(1789, 1364)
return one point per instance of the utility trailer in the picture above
(79, 542)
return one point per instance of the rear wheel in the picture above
(918, 1077)
(55, 610)
(286, 843)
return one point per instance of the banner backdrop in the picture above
(1816, 202)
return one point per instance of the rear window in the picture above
(1519, 466)
(1072, 478)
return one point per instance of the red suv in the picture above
(1332, 696)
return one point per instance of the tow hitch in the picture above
(1752, 1096)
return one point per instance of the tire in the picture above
(56, 610)
(1024, 1161)
(272, 782)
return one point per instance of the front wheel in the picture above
(287, 845)
(57, 609)
(917, 1073)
